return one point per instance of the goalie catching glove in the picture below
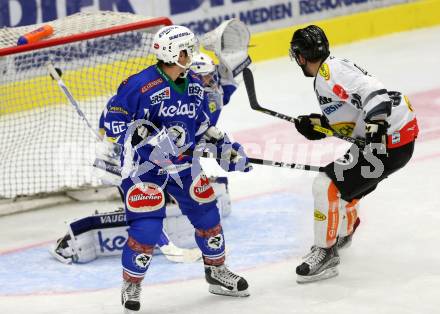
(305, 125)
(231, 155)
(230, 42)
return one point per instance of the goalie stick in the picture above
(55, 74)
(250, 89)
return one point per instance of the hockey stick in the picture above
(250, 89)
(117, 170)
(56, 76)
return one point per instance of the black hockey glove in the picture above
(376, 135)
(304, 125)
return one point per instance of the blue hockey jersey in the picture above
(151, 95)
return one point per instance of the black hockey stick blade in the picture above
(248, 78)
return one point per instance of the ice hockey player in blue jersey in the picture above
(218, 88)
(157, 115)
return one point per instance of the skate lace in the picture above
(226, 274)
(316, 256)
(133, 291)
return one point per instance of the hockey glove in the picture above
(304, 125)
(233, 157)
(230, 155)
(376, 135)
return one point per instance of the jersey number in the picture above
(118, 127)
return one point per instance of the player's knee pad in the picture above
(143, 234)
(326, 210)
(212, 244)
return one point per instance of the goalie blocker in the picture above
(104, 234)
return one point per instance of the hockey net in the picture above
(44, 145)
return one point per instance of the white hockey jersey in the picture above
(348, 96)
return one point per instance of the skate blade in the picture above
(325, 274)
(219, 290)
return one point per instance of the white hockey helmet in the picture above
(202, 64)
(169, 41)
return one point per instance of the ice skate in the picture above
(130, 296)
(222, 281)
(319, 264)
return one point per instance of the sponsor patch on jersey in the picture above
(324, 71)
(145, 197)
(340, 92)
(150, 85)
(344, 128)
(332, 108)
(195, 89)
(212, 107)
(118, 110)
(160, 95)
(179, 110)
(319, 216)
(201, 190)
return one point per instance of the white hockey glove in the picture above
(230, 42)
(108, 153)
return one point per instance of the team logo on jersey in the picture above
(201, 190)
(340, 92)
(145, 197)
(344, 128)
(160, 95)
(151, 84)
(141, 260)
(324, 71)
(319, 216)
(212, 107)
(195, 89)
(178, 134)
(215, 242)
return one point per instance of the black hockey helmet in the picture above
(311, 43)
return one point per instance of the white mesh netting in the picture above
(44, 145)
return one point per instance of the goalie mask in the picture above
(206, 70)
(169, 41)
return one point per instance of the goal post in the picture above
(44, 146)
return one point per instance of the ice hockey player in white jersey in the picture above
(354, 104)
